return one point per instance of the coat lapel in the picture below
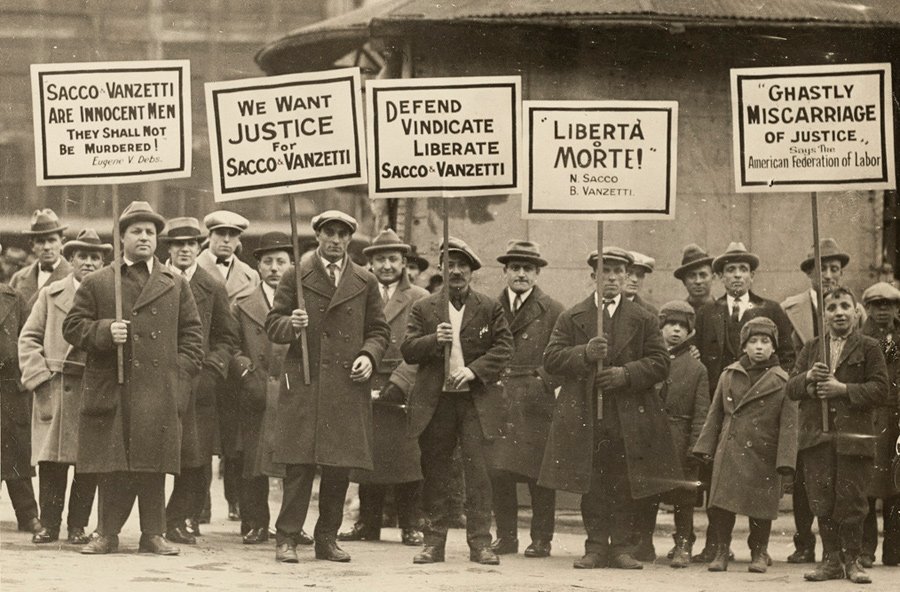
(473, 304)
(531, 309)
(160, 282)
(763, 387)
(64, 295)
(719, 318)
(627, 325)
(584, 315)
(350, 284)
(398, 301)
(853, 344)
(255, 307)
(7, 301)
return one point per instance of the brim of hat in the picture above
(71, 246)
(322, 223)
(156, 219)
(43, 232)
(810, 262)
(231, 226)
(257, 253)
(646, 268)
(874, 299)
(722, 260)
(504, 259)
(680, 271)
(420, 262)
(475, 265)
(375, 248)
(592, 261)
(166, 238)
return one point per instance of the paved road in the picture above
(220, 562)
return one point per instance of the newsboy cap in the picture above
(182, 229)
(677, 311)
(522, 250)
(456, 245)
(828, 249)
(43, 222)
(611, 254)
(759, 326)
(387, 240)
(881, 291)
(334, 216)
(87, 240)
(140, 211)
(643, 261)
(735, 253)
(692, 257)
(225, 219)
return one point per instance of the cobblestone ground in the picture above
(220, 562)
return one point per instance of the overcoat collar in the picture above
(315, 278)
(202, 285)
(852, 350)
(762, 387)
(62, 292)
(398, 300)
(254, 306)
(584, 314)
(8, 301)
(161, 280)
(531, 309)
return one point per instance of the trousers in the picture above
(298, 481)
(117, 492)
(52, 479)
(506, 507)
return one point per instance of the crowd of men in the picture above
(357, 374)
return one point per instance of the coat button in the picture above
(346, 365)
(134, 313)
(640, 408)
(258, 330)
(749, 444)
(136, 337)
(321, 309)
(67, 389)
(325, 334)
(524, 335)
(137, 363)
(153, 311)
(154, 334)
(156, 363)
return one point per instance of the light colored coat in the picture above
(242, 279)
(52, 369)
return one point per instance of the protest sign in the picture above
(443, 136)
(111, 122)
(600, 160)
(275, 135)
(813, 128)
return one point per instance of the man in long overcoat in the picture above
(397, 460)
(199, 419)
(46, 236)
(616, 447)
(52, 370)
(328, 422)
(130, 433)
(466, 405)
(529, 392)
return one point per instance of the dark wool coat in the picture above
(528, 388)
(263, 362)
(135, 426)
(487, 346)
(329, 421)
(863, 370)
(799, 311)
(52, 369)
(397, 458)
(710, 337)
(25, 281)
(887, 415)
(685, 394)
(653, 465)
(751, 432)
(15, 401)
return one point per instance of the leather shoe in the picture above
(484, 556)
(154, 543)
(505, 546)
(829, 569)
(625, 561)
(855, 572)
(360, 532)
(234, 512)
(303, 538)
(867, 561)
(804, 552)
(180, 535)
(538, 549)
(192, 526)
(286, 552)
(101, 545)
(430, 554)
(77, 536)
(411, 537)
(31, 525)
(329, 551)
(591, 561)
(255, 536)
(45, 535)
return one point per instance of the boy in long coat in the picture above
(52, 370)
(326, 423)
(130, 433)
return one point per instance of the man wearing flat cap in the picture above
(46, 236)
(397, 460)
(52, 370)
(328, 422)
(621, 451)
(529, 392)
(634, 283)
(801, 310)
(199, 419)
(465, 405)
(130, 433)
(696, 273)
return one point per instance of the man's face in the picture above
(883, 312)
(832, 275)
(333, 238)
(223, 241)
(698, 282)
(634, 280)
(460, 271)
(47, 248)
(521, 276)
(840, 314)
(388, 266)
(183, 253)
(737, 278)
(412, 270)
(84, 262)
(614, 276)
(139, 241)
(759, 348)
(272, 266)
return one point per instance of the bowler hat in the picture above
(881, 291)
(87, 240)
(414, 257)
(677, 311)
(140, 211)
(611, 254)
(455, 245)
(387, 240)
(643, 261)
(521, 250)
(692, 256)
(273, 241)
(735, 253)
(828, 249)
(334, 216)
(44, 222)
(759, 326)
(225, 219)
(182, 229)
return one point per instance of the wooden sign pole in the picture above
(445, 272)
(820, 300)
(298, 280)
(117, 279)
(598, 275)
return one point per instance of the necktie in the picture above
(139, 272)
(606, 316)
(223, 261)
(384, 293)
(47, 267)
(517, 303)
(332, 273)
(735, 312)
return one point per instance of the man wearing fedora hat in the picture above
(696, 273)
(637, 271)
(46, 235)
(130, 433)
(52, 370)
(328, 422)
(199, 420)
(396, 453)
(465, 406)
(529, 391)
(622, 451)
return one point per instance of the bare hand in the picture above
(299, 319)
(695, 353)
(459, 377)
(362, 369)
(445, 333)
(119, 332)
(818, 373)
(596, 349)
(830, 388)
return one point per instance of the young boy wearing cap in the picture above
(751, 431)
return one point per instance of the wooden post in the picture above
(598, 275)
(117, 279)
(820, 300)
(445, 288)
(304, 350)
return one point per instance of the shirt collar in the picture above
(512, 296)
(743, 299)
(129, 263)
(326, 262)
(615, 300)
(76, 283)
(187, 273)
